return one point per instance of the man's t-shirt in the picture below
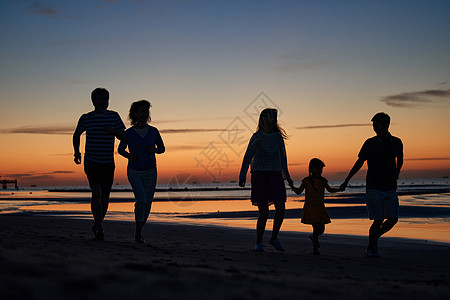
(99, 144)
(381, 162)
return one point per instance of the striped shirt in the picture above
(265, 152)
(99, 144)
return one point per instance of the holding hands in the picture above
(290, 182)
(296, 190)
(343, 186)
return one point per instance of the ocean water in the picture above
(424, 206)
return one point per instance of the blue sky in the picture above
(201, 62)
(217, 46)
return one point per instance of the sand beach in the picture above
(44, 257)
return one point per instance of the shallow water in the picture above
(209, 213)
(424, 216)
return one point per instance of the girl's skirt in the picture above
(267, 188)
(314, 212)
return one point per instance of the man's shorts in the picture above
(381, 204)
(97, 173)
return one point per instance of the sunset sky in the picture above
(208, 67)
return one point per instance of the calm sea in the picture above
(424, 211)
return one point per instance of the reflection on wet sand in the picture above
(349, 219)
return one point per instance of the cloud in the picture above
(69, 129)
(37, 129)
(40, 9)
(427, 158)
(62, 154)
(198, 130)
(333, 126)
(293, 64)
(184, 148)
(416, 99)
(296, 164)
(189, 120)
(37, 175)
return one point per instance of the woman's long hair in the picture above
(268, 122)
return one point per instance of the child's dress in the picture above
(314, 208)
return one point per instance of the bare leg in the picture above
(96, 204)
(387, 225)
(105, 192)
(318, 230)
(278, 219)
(105, 204)
(374, 234)
(261, 224)
(139, 226)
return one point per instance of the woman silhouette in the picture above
(267, 155)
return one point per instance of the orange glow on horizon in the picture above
(47, 160)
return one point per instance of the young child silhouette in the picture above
(314, 211)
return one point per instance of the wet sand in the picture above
(56, 258)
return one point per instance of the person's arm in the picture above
(399, 162)
(356, 167)
(117, 130)
(76, 139)
(76, 147)
(284, 165)
(300, 189)
(251, 149)
(120, 135)
(331, 189)
(122, 149)
(399, 166)
(159, 145)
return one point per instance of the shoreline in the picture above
(87, 216)
(168, 195)
(348, 211)
(47, 257)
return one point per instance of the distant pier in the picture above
(5, 183)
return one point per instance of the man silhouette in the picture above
(101, 126)
(384, 155)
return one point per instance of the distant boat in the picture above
(445, 177)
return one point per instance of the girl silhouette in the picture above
(314, 211)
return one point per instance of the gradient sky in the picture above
(208, 66)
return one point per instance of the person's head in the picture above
(100, 99)
(315, 167)
(268, 122)
(380, 123)
(140, 112)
